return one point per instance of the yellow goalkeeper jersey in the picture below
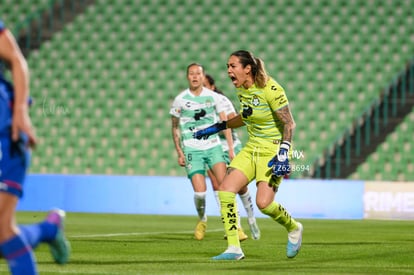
(258, 106)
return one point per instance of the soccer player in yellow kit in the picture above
(265, 112)
(244, 193)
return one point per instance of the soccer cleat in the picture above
(294, 241)
(229, 257)
(60, 246)
(254, 230)
(200, 230)
(242, 235)
(232, 253)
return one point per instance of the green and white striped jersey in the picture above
(196, 113)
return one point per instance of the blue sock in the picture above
(19, 256)
(37, 233)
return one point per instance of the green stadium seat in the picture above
(116, 59)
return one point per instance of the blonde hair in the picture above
(259, 73)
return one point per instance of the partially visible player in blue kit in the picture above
(16, 137)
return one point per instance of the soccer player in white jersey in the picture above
(193, 109)
(229, 154)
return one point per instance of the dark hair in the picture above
(210, 79)
(212, 82)
(195, 64)
(259, 73)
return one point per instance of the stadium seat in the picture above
(119, 65)
(395, 163)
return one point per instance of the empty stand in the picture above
(393, 160)
(117, 67)
(16, 12)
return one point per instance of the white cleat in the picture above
(294, 241)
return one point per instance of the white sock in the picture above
(234, 249)
(294, 236)
(248, 206)
(238, 215)
(200, 204)
(217, 199)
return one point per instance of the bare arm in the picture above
(177, 139)
(284, 115)
(228, 135)
(235, 122)
(10, 52)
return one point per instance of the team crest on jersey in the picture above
(208, 104)
(255, 101)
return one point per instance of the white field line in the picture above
(3, 268)
(137, 234)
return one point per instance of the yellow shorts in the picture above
(252, 161)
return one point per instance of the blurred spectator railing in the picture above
(342, 157)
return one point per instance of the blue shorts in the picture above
(14, 161)
(14, 156)
(5, 106)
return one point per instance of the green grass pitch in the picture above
(151, 244)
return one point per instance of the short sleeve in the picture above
(276, 95)
(175, 109)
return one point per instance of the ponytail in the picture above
(260, 77)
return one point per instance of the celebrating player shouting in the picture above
(266, 113)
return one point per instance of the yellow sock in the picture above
(230, 217)
(279, 214)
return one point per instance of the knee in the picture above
(262, 204)
(7, 229)
(243, 190)
(6, 232)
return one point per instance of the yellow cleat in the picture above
(242, 235)
(200, 230)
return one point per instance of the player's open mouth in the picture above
(233, 79)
